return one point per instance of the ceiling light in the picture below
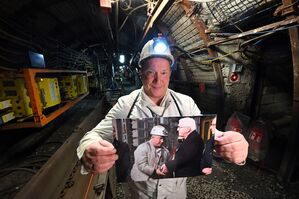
(121, 59)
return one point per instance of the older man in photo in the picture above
(188, 155)
(150, 155)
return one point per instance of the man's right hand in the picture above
(99, 156)
(159, 172)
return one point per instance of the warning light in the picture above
(234, 77)
(202, 87)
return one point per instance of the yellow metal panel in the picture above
(82, 84)
(15, 90)
(68, 86)
(7, 117)
(48, 91)
(5, 104)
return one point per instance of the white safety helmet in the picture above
(159, 130)
(157, 47)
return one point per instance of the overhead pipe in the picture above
(116, 26)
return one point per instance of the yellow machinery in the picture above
(6, 117)
(82, 84)
(6, 114)
(31, 91)
(5, 104)
(15, 90)
(68, 86)
(48, 91)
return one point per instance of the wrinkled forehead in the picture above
(156, 63)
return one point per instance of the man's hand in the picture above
(99, 156)
(207, 171)
(159, 172)
(231, 146)
(164, 168)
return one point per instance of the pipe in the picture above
(116, 26)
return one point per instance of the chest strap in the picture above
(128, 116)
(176, 104)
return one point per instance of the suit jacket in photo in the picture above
(186, 162)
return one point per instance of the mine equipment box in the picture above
(48, 91)
(16, 91)
(68, 86)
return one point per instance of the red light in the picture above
(202, 88)
(234, 77)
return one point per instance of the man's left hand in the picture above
(231, 146)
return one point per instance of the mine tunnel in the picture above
(64, 64)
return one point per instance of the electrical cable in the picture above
(14, 61)
(88, 187)
(17, 169)
(128, 5)
(8, 69)
(11, 189)
(138, 7)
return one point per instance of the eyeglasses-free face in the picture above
(183, 131)
(155, 76)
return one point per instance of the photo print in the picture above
(166, 147)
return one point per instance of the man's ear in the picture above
(140, 74)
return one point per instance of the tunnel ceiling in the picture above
(64, 27)
(70, 32)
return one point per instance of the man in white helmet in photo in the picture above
(150, 156)
(153, 99)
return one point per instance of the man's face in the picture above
(213, 125)
(155, 76)
(183, 131)
(157, 141)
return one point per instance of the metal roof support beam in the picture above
(291, 153)
(201, 27)
(161, 4)
(273, 26)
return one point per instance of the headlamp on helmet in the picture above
(160, 45)
(157, 47)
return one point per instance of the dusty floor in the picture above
(231, 181)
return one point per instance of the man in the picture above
(96, 152)
(123, 163)
(206, 161)
(150, 155)
(188, 155)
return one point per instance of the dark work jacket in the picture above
(187, 157)
(123, 162)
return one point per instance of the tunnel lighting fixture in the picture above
(160, 45)
(121, 59)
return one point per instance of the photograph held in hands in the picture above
(166, 147)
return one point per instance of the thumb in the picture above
(218, 134)
(105, 143)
